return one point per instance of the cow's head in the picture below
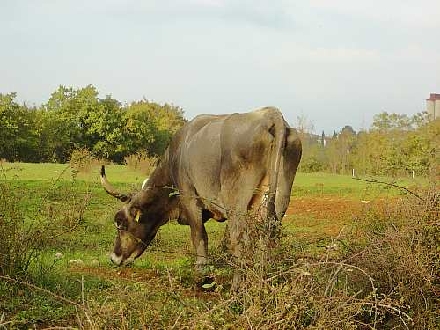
(136, 223)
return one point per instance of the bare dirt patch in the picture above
(325, 207)
(318, 217)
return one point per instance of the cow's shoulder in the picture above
(202, 120)
(197, 125)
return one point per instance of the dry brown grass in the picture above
(82, 160)
(142, 162)
(385, 276)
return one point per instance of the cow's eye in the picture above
(120, 223)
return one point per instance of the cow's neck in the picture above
(161, 190)
(161, 176)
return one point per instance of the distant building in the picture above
(433, 106)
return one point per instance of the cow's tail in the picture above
(278, 129)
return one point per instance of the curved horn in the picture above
(110, 190)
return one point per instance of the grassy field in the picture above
(70, 282)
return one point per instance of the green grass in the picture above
(167, 263)
(345, 185)
(50, 172)
(93, 240)
(305, 183)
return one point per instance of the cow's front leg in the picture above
(200, 241)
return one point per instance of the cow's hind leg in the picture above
(239, 238)
(246, 213)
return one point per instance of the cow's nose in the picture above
(117, 260)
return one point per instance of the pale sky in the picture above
(335, 62)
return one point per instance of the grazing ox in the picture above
(219, 167)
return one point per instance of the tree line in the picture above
(75, 119)
(394, 145)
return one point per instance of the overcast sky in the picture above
(336, 62)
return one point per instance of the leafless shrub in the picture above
(141, 161)
(403, 256)
(386, 278)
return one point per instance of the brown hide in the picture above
(217, 167)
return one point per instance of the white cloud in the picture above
(208, 3)
(421, 13)
(221, 55)
(331, 55)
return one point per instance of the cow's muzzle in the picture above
(117, 260)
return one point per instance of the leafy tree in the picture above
(48, 135)
(149, 126)
(65, 122)
(339, 150)
(312, 146)
(17, 135)
(420, 149)
(420, 119)
(72, 119)
(395, 145)
(104, 133)
(81, 120)
(8, 125)
(385, 122)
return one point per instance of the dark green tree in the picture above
(150, 126)
(18, 137)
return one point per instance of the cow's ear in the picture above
(138, 215)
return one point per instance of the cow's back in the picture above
(195, 157)
(248, 150)
(223, 160)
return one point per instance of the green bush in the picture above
(311, 164)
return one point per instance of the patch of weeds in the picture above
(30, 304)
(30, 223)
